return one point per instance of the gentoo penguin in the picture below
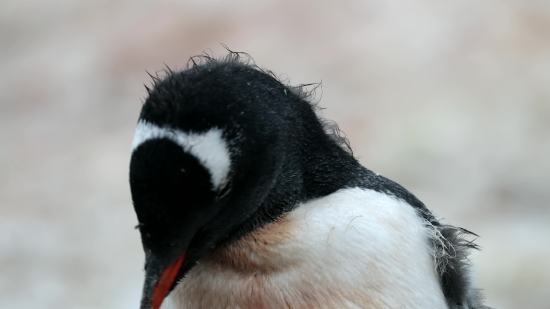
(247, 198)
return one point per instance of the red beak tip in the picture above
(165, 282)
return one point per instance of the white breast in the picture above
(355, 248)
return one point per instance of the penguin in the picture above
(247, 198)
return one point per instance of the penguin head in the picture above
(203, 161)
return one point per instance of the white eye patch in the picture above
(209, 147)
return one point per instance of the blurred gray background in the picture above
(449, 98)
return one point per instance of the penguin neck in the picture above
(323, 169)
(309, 171)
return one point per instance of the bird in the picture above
(246, 197)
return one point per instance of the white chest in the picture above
(355, 248)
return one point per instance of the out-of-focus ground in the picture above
(449, 98)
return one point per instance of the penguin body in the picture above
(247, 199)
(316, 256)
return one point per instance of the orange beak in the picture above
(165, 282)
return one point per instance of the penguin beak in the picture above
(156, 286)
